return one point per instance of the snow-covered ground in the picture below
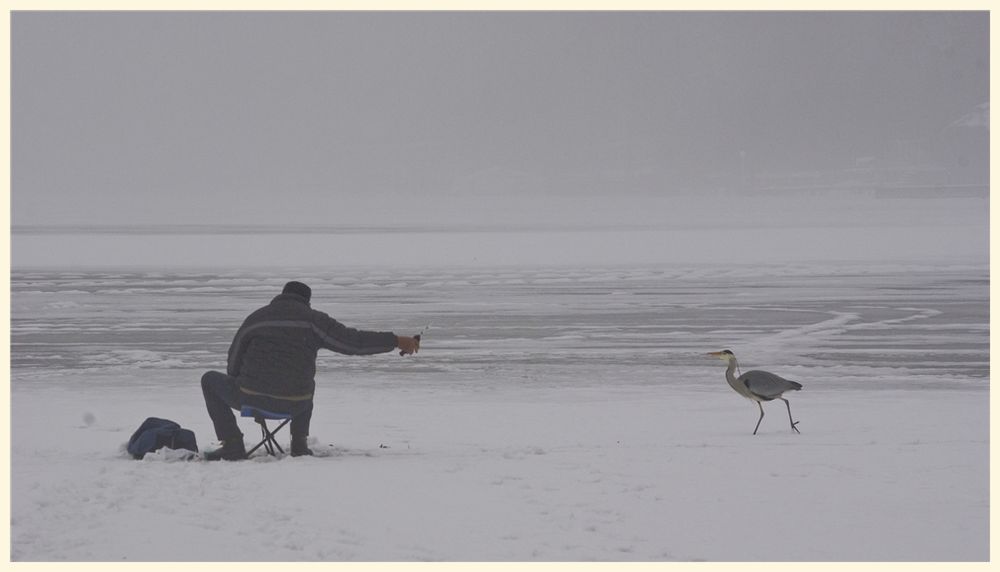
(563, 413)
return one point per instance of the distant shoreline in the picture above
(328, 229)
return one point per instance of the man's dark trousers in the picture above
(223, 395)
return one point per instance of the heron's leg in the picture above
(759, 419)
(794, 423)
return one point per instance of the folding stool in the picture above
(261, 416)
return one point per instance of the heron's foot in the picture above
(794, 428)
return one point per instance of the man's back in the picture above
(274, 351)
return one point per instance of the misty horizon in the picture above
(395, 118)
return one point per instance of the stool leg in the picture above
(274, 440)
(263, 442)
(268, 437)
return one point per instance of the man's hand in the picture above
(408, 345)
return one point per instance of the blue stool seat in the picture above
(251, 411)
(261, 416)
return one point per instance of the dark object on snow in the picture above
(299, 447)
(155, 433)
(231, 450)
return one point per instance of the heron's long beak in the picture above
(714, 354)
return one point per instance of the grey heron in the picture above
(758, 386)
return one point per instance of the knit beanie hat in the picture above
(298, 288)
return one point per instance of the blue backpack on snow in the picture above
(155, 433)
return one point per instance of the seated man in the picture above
(272, 364)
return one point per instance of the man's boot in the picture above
(231, 450)
(299, 447)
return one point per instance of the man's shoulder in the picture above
(276, 309)
(283, 307)
(320, 316)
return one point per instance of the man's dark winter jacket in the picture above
(274, 352)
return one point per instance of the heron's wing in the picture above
(766, 385)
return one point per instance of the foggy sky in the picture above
(294, 117)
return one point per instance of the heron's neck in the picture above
(731, 371)
(731, 378)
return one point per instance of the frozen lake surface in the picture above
(850, 326)
(552, 414)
